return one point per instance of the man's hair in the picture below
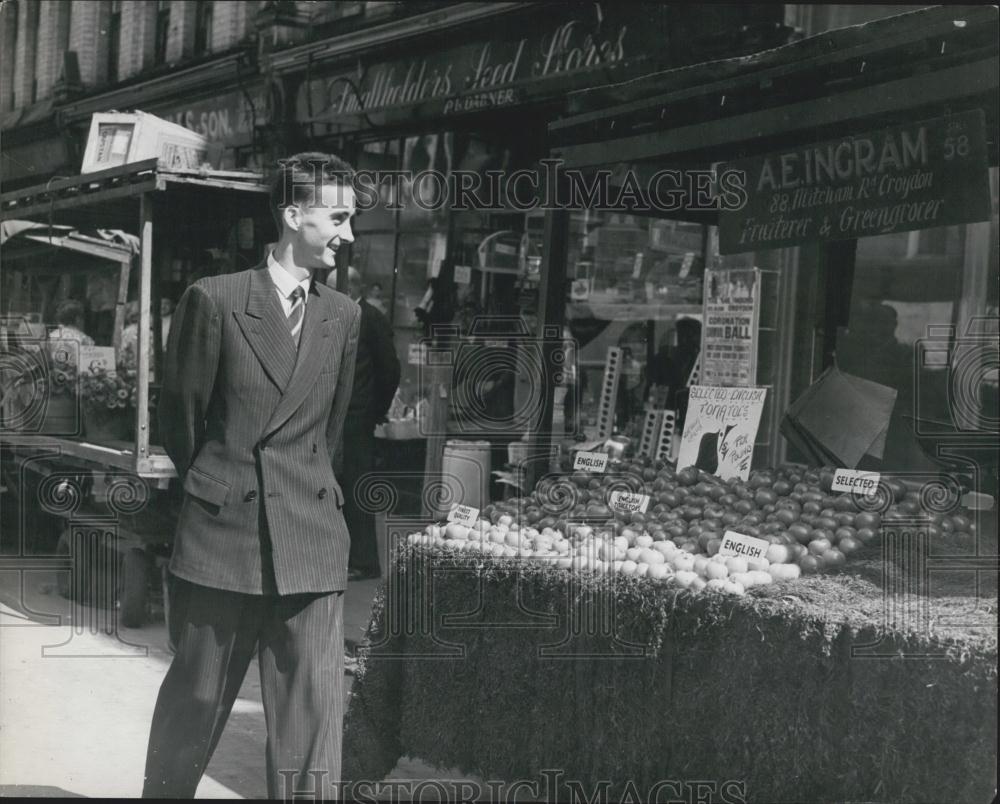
(69, 312)
(299, 177)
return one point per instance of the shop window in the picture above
(914, 316)
(161, 32)
(114, 40)
(635, 284)
(203, 27)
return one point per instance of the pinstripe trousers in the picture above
(301, 659)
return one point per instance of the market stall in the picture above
(673, 600)
(84, 470)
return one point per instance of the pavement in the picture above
(77, 696)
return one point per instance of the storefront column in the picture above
(552, 315)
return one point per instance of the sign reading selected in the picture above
(914, 176)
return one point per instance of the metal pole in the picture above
(145, 289)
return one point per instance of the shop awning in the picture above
(887, 69)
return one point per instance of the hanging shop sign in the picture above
(914, 176)
(471, 77)
(228, 118)
(730, 327)
(720, 430)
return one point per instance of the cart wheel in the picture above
(134, 588)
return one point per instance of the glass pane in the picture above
(377, 157)
(636, 284)
(906, 285)
(373, 256)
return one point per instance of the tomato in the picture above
(730, 518)
(897, 488)
(668, 498)
(716, 492)
(782, 488)
(826, 480)
(844, 503)
(799, 532)
(845, 519)
(688, 476)
(819, 546)
(844, 533)
(849, 545)
(865, 535)
(810, 564)
(811, 507)
(868, 519)
(713, 546)
(764, 497)
(728, 499)
(797, 551)
(834, 558)
(743, 506)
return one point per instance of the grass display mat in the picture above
(822, 689)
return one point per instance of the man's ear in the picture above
(292, 216)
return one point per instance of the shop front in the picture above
(451, 128)
(751, 573)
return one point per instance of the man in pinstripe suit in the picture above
(257, 381)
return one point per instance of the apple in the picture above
(684, 577)
(736, 565)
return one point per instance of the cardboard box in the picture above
(117, 138)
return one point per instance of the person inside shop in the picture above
(376, 378)
(258, 378)
(437, 306)
(673, 369)
(374, 297)
(68, 331)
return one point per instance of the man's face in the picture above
(320, 229)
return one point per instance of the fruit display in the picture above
(568, 520)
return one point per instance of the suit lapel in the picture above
(266, 329)
(314, 345)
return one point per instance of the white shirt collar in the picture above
(284, 281)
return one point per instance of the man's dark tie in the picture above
(296, 313)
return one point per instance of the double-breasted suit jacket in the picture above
(251, 424)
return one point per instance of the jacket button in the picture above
(321, 493)
(314, 448)
(250, 496)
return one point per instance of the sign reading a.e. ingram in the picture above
(914, 176)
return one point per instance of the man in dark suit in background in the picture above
(258, 371)
(376, 378)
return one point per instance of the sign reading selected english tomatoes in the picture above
(720, 430)
(913, 176)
